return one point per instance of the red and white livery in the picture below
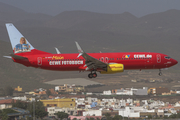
(105, 63)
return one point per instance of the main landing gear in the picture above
(160, 73)
(92, 75)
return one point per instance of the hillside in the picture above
(12, 14)
(83, 20)
(95, 32)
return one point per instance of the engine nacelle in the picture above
(113, 68)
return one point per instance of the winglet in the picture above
(58, 52)
(79, 49)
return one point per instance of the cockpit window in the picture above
(167, 57)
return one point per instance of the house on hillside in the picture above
(6, 103)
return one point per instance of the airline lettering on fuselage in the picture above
(142, 56)
(57, 57)
(65, 62)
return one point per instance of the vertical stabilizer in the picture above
(18, 41)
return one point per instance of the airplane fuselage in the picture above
(70, 62)
(105, 63)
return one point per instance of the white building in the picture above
(20, 98)
(109, 100)
(156, 104)
(122, 102)
(143, 91)
(123, 91)
(177, 104)
(107, 92)
(90, 93)
(129, 112)
(90, 100)
(92, 113)
(56, 88)
(80, 101)
(52, 110)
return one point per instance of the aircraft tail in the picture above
(18, 41)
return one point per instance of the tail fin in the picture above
(18, 41)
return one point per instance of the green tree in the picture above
(8, 90)
(91, 118)
(165, 117)
(8, 110)
(41, 113)
(117, 117)
(4, 112)
(97, 119)
(39, 109)
(172, 116)
(178, 115)
(108, 116)
(149, 116)
(4, 116)
(48, 92)
(62, 115)
(29, 118)
(19, 104)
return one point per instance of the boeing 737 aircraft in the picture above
(105, 63)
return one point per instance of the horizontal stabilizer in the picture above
(8, 57)
(18, 57)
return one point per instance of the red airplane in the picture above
(105, 63)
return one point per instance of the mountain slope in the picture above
(12, 14)
(83, 20)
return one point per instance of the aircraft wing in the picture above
(91, 62)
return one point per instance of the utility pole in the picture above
(34, 109)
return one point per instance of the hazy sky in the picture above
(136, 7)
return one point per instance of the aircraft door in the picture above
(106, 60)
(39, 61)
(102, 59)
(158, 58)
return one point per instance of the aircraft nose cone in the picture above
(174, 62)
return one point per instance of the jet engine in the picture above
(113, 68)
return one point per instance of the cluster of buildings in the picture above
(73, 89)
(84, 106)
(143, 91)
(127, 91)
(88, 106)
(69, 88)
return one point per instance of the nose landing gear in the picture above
(160, 73)
(92, 75)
